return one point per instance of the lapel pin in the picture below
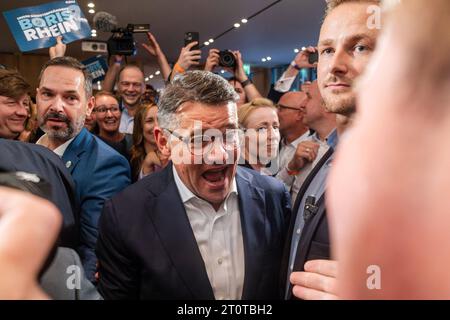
(68, 164)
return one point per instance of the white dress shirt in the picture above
(43, 141)
(304, 172)
(126, 122)
(219, 238)
(285, 155)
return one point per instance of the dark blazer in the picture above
(314, 242)
(147, 249)
(31, 158)
(99, 173)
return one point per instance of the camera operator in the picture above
(131, 84)
(240, 81)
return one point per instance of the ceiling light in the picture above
(263, 59)
(244, 20)
(269, 58)
(206, 43)
(223, 71)
(94, 31)
(237, 25)
(146, 79)
(303, 48)
(93, 35)
(157, 73)
(296, 50)
(91, 5)
(151, 76)
(211, 40)
(91, 11)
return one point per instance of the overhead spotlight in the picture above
(151, 76)
(94, 31)
(303, 48)
(157, 73)
(91, 11)
(296, 50)
(263, 59)
(237, 25)
(146, 79)
(269, 58)
(211, 40)
(222, 71)
(91, 5)
(206, 43)
(93, 35)
(244, 20)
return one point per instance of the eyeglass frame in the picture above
(208, 147)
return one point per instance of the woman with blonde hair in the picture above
(145, 156)
(259, 121)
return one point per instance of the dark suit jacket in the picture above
(20, 156)
(147, 249)
(314, 242)
(99, 173)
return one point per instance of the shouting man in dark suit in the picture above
(202, 228)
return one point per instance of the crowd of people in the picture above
(209, 190)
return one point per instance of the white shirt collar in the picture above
(298, 140)
(43, 141)
(187, 194)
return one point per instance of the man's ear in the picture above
(90, 106)
(162, 141)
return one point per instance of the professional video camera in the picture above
(122, 40)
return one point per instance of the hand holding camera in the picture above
(307, 58)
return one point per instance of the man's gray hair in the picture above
(193, 86)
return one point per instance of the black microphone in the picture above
(105, 21)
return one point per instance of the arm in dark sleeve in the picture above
(118, 275)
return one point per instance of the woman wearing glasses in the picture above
(259, 120)
(107, 113)
(145, 156)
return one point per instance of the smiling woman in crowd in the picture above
(107, 113)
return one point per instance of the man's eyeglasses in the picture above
(200, 145)
(281, 106)
(104, 110)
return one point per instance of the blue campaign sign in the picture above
(97, 67)
(38, 26)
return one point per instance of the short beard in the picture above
(62, 134)
(345, 107)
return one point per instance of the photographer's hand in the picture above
(58, 50)
(213, 60)
(113, 70)
(239, 73)
(302, 58)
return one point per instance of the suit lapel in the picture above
(306, 238)
(301, 193)
(253, 221)
(71, 156)
(174, 229)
